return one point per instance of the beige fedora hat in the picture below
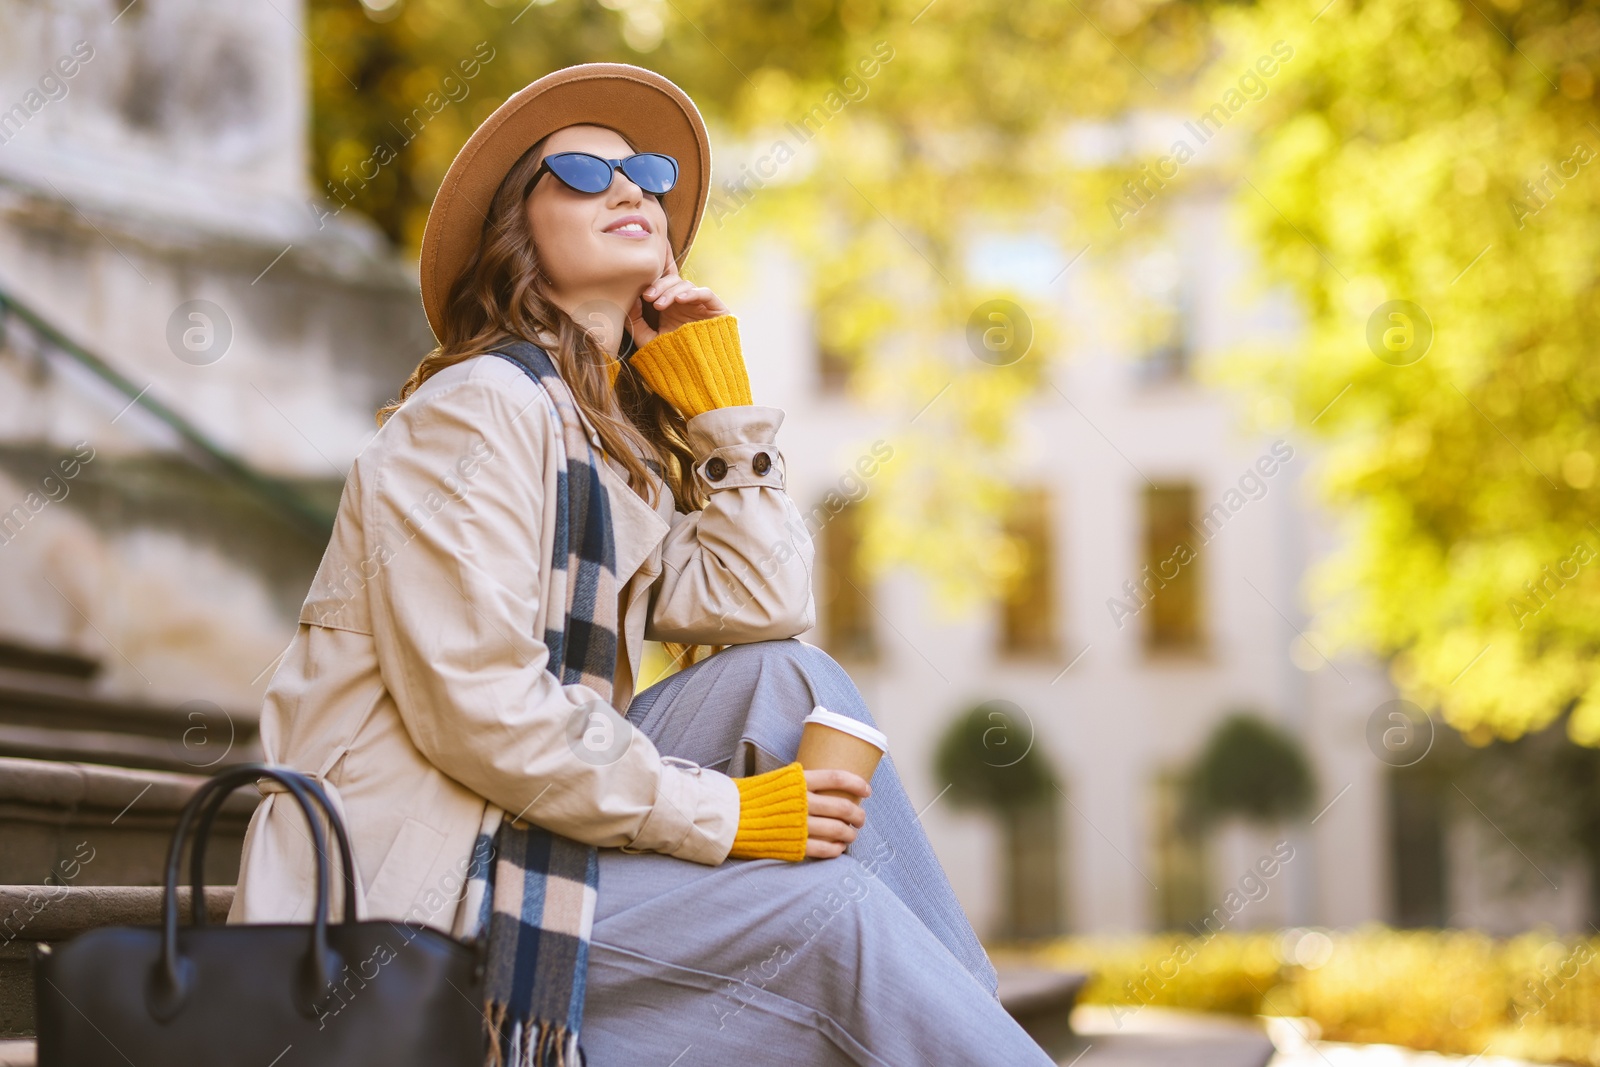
(646, 108)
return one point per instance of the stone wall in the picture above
(155, 212)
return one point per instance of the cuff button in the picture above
(762, 463)
(716, 468)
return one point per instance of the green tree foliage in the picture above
(988, 756)
(1444, 153)
(1249, 767)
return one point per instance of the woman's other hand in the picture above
(676, 301)
(832, 821)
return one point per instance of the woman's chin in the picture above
(621, 271)
(634, 260)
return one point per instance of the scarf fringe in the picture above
(529, 1042)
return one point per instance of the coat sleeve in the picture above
(740, 569)
(455, 514)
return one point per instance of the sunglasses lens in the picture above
(652, 171)
(583, 172)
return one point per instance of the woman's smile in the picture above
(633, 227)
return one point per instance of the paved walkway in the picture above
(1333, 1054)
(1158, 1037)
(1295, 1051)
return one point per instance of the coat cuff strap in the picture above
(694, 817)
(738, 465)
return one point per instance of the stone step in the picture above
(49, 710)
(1041, 1000)
(1132, 1036)
(30, 914)
(55, 913)
(89, 824)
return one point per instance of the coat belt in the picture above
(320, 776)
(272, 785)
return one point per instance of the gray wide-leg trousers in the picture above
(866, 958)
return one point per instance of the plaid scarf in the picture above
(536, 902)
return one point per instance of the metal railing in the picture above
(313, 518)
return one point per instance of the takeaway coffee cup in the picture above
(831, 740)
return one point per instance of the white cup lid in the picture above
(854, 727)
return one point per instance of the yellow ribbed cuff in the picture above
(697, 366)
(773, 810)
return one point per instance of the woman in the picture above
(456, 673)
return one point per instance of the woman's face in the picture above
(583, 240)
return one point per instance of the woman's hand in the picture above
(832, 822)
(676, 301)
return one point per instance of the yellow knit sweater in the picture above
(773, 813)
(696, 367)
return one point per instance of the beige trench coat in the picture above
(416, 686)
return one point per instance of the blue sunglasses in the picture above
(650, 171)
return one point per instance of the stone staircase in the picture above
(82, 824)
(49, 709)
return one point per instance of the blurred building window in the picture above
(833, 368)
(1182, 901)
(1028, 611)
(1169, 583)
(1161, 310)
(1416, 847)
(833, 372)
(1035, 891)
(846, 616)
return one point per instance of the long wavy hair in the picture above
(498, 298)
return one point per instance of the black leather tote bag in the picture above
(372, 992)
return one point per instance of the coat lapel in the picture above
(638, 526)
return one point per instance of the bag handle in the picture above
(202, 836)
(172, 976)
